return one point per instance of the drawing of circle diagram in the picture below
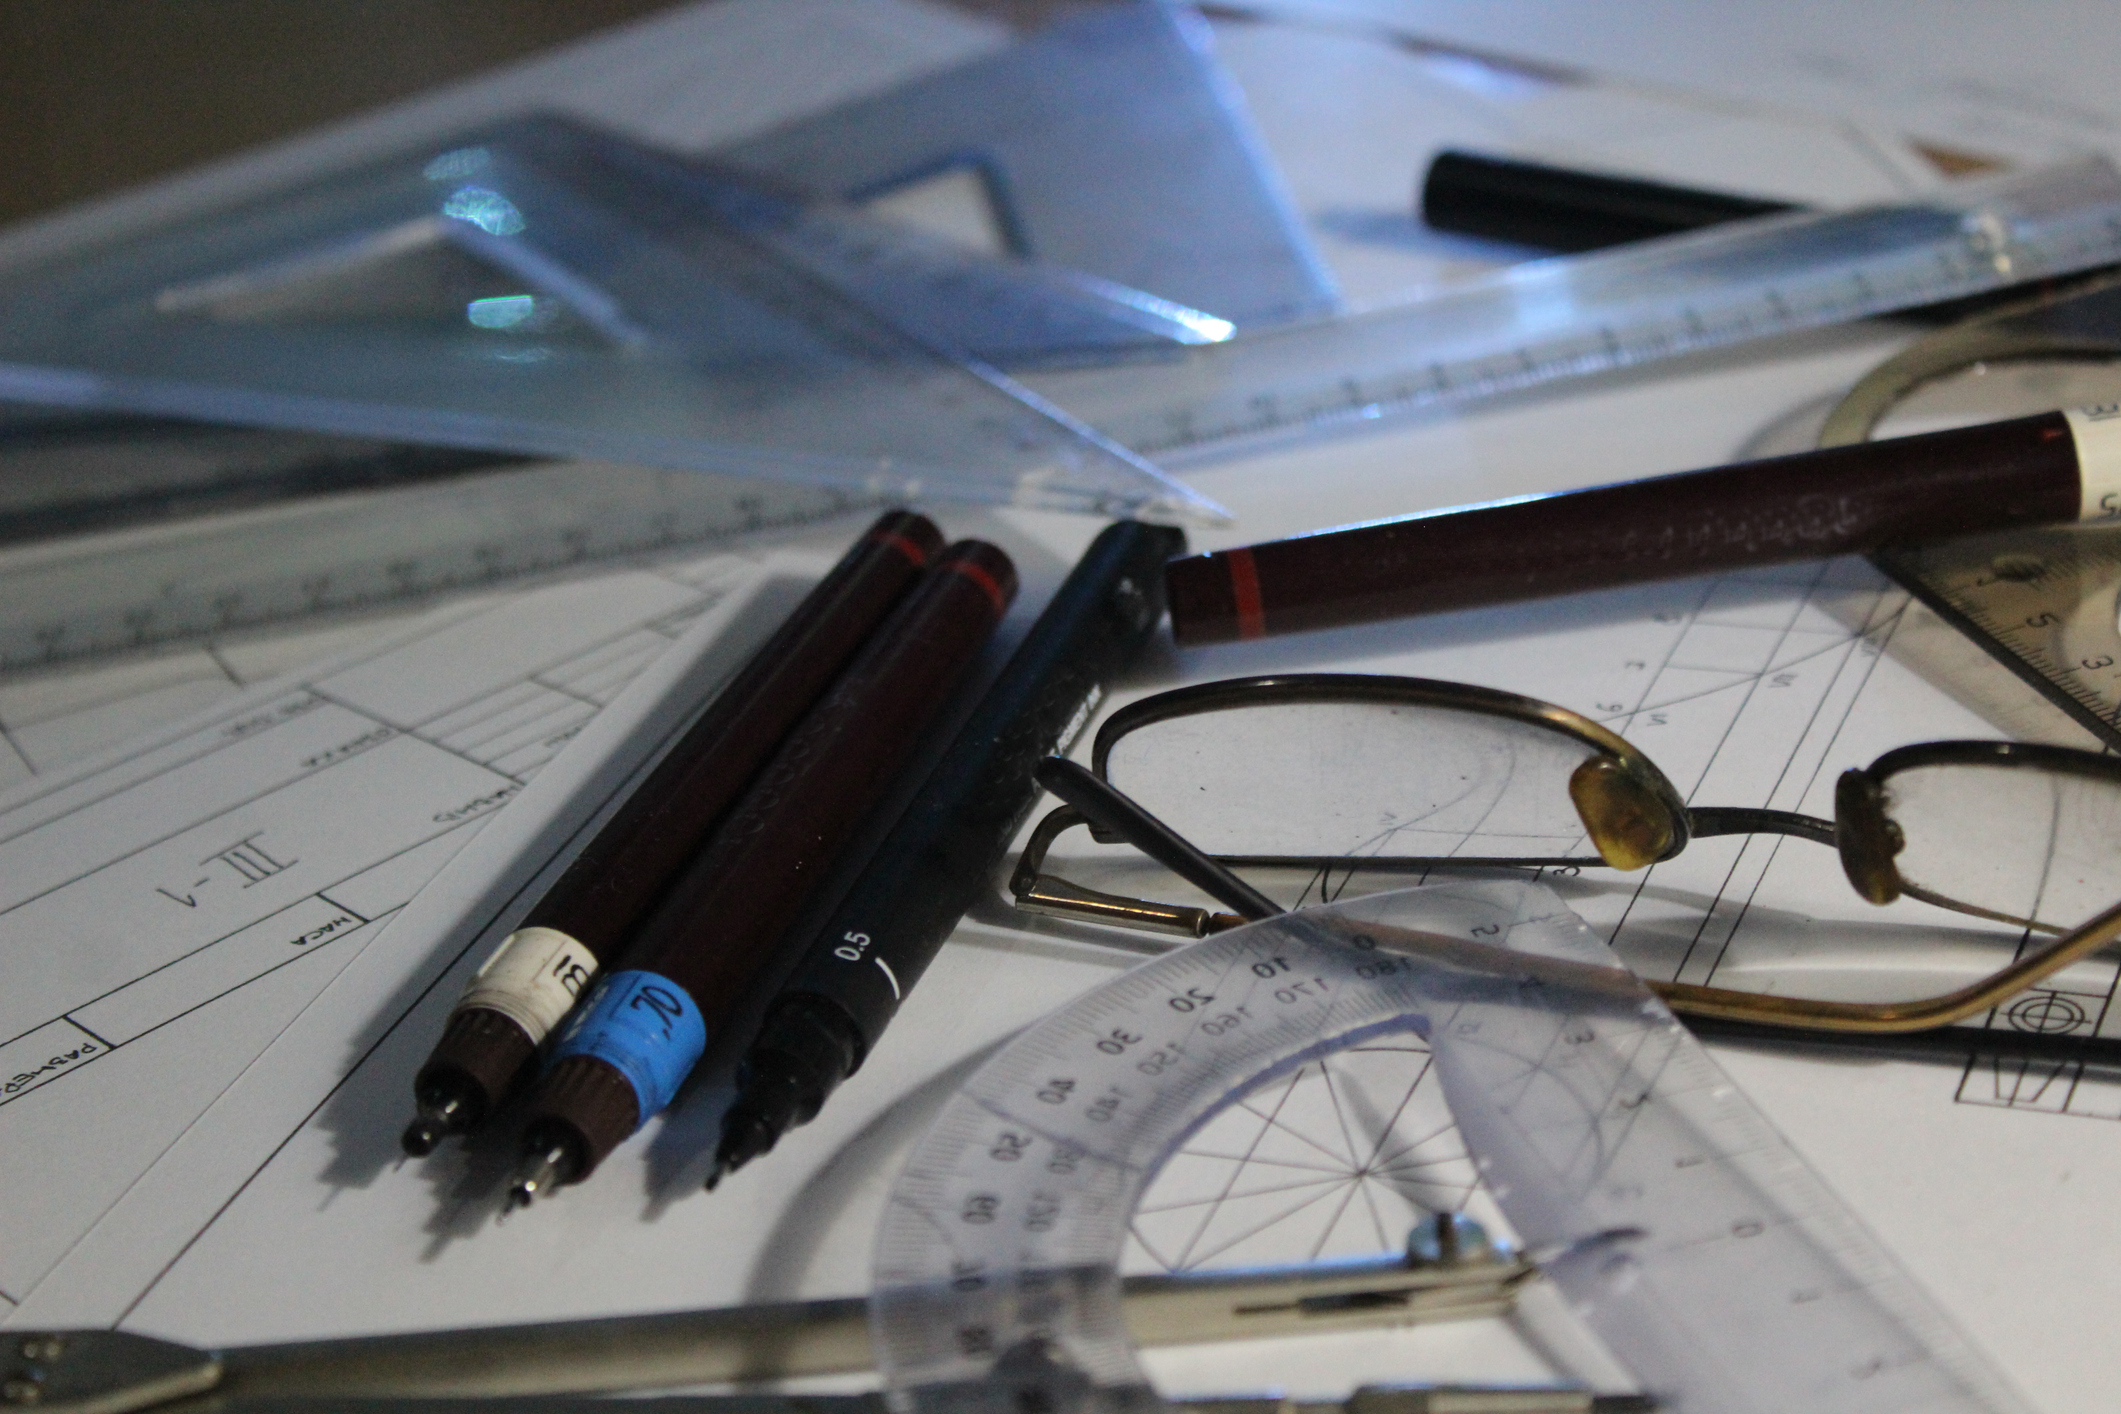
(1342, 1155)
(2047, 1013)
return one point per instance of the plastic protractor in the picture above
(1338, 1158)
(1668, 1211)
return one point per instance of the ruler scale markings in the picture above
(2044, 604)
(1819, 286)
(1710, 290)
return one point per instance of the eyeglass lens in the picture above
(1358, 780)
(2035, 846)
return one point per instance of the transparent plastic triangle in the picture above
(1109, 141)
(544, 288)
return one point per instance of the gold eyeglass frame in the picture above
(1633, 816)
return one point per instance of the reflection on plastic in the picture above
(1669, 1212)
(582, 295)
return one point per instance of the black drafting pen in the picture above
(1560, 209)
(943, 852)
(531, 981)
(1568, 212)
(725, 922)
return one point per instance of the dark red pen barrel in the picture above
(605, 892)
(1835, 501)
(718, 928)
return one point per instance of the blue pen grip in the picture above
(647, 1028)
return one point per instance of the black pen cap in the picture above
(1559, 209)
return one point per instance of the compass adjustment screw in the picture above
(1448, 1240)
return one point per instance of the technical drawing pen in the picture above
(533, 979)
(629, 1047)
(2046, 469)
(942, 854)
(1568, 212)
(1563, 210)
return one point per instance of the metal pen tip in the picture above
(439, 1118)
(420, 1138)
(540, 1172)
(745, 1136)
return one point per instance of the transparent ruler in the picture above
(1555, 319)
(2044, 603)
(1166, 381)
(63, 601)
(1680, 1226)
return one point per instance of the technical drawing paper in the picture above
(281, 1212)
(2031, 81)
(416, 1245)
(55, 719)
(166, 913)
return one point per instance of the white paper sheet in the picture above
(2030, 81)
(168, 910)
(51, 720)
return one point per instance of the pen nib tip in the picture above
(745, 1135)
(440, 1116)
(541, 1171)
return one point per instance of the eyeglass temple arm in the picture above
(1106, 809)
(1033, 859)
(1744, 820)
(1689, 999)
(1037, 892)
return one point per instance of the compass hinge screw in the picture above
(25, 1383)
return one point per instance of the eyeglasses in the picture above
(1332, 772)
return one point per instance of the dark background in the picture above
(96, 95)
